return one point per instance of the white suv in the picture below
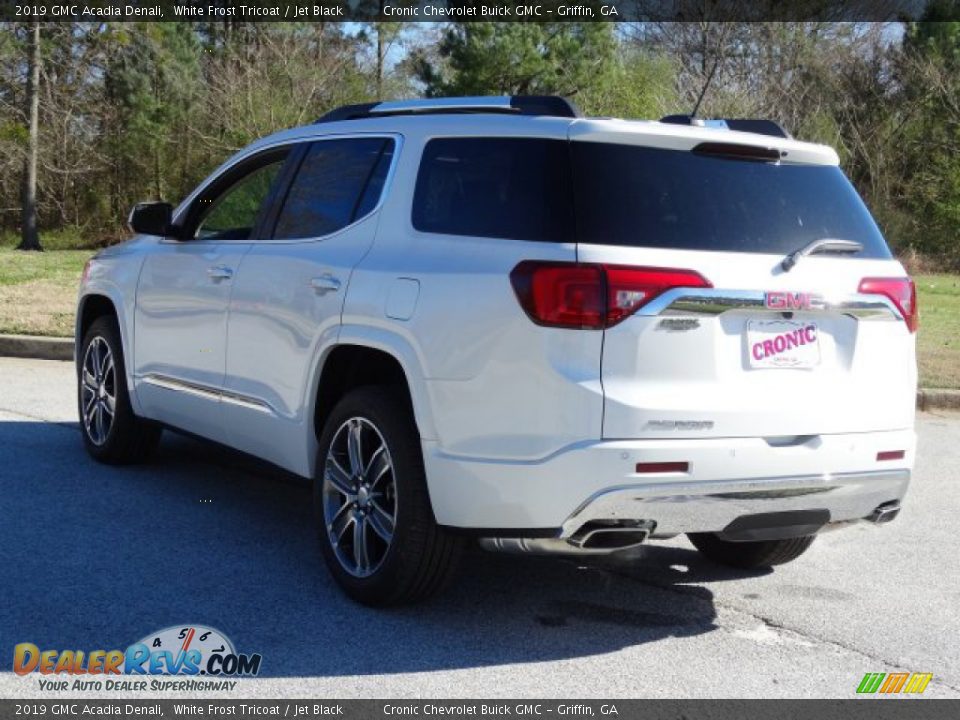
(492, 317)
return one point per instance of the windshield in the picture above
(648, 197)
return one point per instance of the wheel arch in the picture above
(92, 306)
(96, 303)
(368, 356)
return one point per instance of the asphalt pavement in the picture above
(94, 557)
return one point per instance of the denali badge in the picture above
(679, 425)
(781, 300)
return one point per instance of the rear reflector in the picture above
(890, 455)
(901, 291)
(591, 297)
(663, 467)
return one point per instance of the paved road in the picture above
(96, 557)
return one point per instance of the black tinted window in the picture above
(232, 214)
(371, 194)
(513, 188)
(328, 191)
(677, 199)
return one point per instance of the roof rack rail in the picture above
(750, 125)
(540, 105)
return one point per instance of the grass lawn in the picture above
(38, 290)
(38, 293)
(938, 341)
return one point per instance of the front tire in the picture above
(750, 555)
(112, 433)
(374, 520)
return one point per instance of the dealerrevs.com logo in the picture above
(183, 650)
(894, 683)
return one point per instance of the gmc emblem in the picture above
(781, 300)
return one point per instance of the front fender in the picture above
(117, 282)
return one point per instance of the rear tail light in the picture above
(593, 297)
(901, 291)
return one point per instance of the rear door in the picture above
(739, 346)
(289, 290)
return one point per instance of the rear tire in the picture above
(375, 523)
(112, 433)
(749, 555)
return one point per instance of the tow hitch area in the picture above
(775, 525)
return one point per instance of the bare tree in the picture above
(30, 239)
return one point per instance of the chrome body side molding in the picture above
(208, 393)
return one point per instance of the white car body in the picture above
(528, 431)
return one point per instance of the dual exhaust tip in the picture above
(885, 513)
(598, 537)
(603, 537)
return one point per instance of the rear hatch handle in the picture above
(821, 247)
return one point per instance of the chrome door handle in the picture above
(219, 272)
(325, 283)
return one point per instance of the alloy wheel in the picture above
(359, 497)
(98, 391)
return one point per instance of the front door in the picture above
(183, 296)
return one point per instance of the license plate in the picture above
(783, 344)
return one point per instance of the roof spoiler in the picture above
(536, 105)
(750, 125)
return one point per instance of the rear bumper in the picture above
(727, 478)
(713, 506)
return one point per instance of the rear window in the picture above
(648, 197)
(510, 188)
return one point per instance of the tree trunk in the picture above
(377, 29)
(29, 239)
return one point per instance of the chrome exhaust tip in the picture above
(612, 536)
(884, 513)
(593, 538)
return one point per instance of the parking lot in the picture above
(97, 557)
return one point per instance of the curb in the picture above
(39, 348)
(49, 348)
(935, 399)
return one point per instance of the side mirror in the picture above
(151, 218)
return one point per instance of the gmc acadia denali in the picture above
(495, 318)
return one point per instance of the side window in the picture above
(510, 188)
(338, 182)
(229, 211)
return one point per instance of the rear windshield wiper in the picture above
(821, 247)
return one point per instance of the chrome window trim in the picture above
(182, 208)
(706, 302)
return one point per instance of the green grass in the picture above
(38, 290)
(38, 294)
(59, 266)
(66, 238)
(938, 341)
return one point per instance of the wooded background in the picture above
(133, 111)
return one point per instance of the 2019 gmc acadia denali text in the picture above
(492, 317)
